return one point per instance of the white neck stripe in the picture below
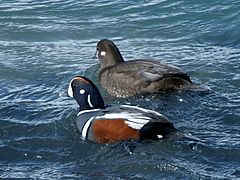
(85, 111)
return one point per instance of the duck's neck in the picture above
(117, 56)
(87, 106)
(93, 100)
(112, 59)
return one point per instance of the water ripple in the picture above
(43, 44)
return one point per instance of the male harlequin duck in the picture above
(141, 76)
(105, 124)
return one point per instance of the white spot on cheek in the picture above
(82, 91)
(103, 53)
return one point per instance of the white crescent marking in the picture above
(85, 128)
(70, 91)
(89, 100)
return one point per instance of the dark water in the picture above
(43, 44)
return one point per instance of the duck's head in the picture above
(108, 53)
(85, 92)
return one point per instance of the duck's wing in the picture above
(135, 122)
(168, 70)
(141, 76)
(147, 70)
(156, 70)
(133, 116)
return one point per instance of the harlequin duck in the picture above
(142, 76)
(105, 124)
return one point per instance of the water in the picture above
(43, 44)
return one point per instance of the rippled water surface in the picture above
(43, 44)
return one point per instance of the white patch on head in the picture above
(70, 91)
(103, 53)
(82, 91)
(85, 128)
(89, 100)
(159, 136)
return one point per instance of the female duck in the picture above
(141, 76)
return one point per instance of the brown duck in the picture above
(141, 76)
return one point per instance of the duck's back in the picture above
(116, 123)
(142, 76)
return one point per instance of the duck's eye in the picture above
(82, 91)
(103, 53)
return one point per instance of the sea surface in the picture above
(44, 44)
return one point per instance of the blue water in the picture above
(43, 44)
